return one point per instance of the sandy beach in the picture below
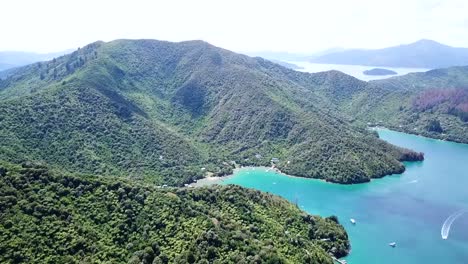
(219, 179)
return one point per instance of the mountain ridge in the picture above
(158, 95)
(420, 54)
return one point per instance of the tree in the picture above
(434, 126)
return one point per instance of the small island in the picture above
(379, 71)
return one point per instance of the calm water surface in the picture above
(353, 70)
(408, 209)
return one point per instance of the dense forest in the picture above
(62, 218)
(170, 113)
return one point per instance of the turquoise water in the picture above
(408, 209)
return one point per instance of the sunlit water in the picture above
(353, 70)
(408, 209)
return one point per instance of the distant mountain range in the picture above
(11, 59)
(279, 56)
(288, 65)
(421, 54)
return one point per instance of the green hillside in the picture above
(48, 218)
(433, 104)
(162, 111)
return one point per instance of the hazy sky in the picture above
(239, 25)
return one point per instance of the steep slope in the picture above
(47, 218)
(432, 104)
(421, 54)
(145, 107)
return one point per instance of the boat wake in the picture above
(444, 232)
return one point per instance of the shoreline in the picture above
(413, 133)
(207, 181)
(219, 179)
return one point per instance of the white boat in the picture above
(352, 221)
(393, 244)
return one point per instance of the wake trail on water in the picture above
(444, 232)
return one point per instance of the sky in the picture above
(240, 25)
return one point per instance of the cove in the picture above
(408, 208)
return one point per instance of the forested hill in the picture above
(47, 218)
(169, 113)
(433, 103)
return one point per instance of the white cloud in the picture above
(241, 25)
